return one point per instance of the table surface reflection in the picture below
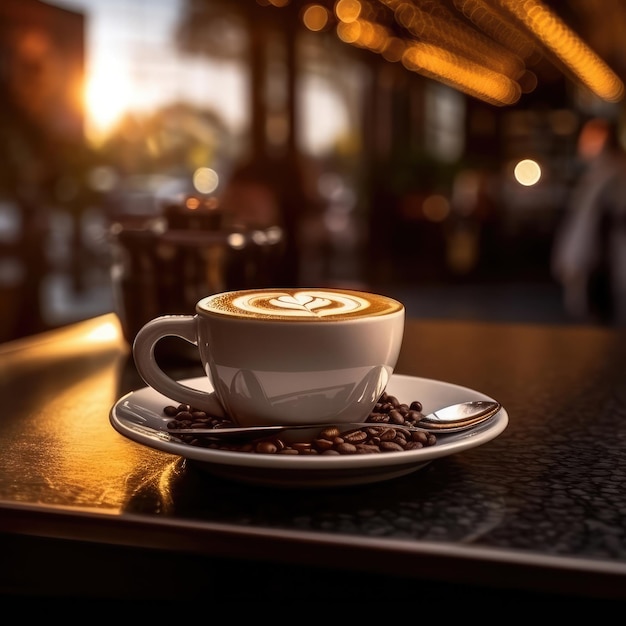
(541, 508)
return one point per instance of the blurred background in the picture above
(155, 150)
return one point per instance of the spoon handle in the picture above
(438, 422)
(253, 431)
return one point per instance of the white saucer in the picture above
(139, 416)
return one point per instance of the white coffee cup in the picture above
(282, 356)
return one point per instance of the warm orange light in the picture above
(490, 62)
(104, 333)
(499, 25)
(470, 66)
(315, 17)
(349, 32)
(436, 208)
(568, 47)
(394, 49)
(442, 28)
(348, 10)
(192, 203)
(461, 74)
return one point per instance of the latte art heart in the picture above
(301, 304)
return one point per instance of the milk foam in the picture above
(299, 304)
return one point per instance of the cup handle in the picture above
(184, 327)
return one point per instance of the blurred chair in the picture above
(158, 270)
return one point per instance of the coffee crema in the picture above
(299, 304)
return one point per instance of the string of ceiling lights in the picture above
(485, 48)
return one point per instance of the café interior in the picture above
(156, 151)
(435, 109)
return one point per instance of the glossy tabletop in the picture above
(539, 509)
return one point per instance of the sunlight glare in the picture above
(108, 97)
(105, 332)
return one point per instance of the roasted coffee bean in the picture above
(421, 437)
(355, 436)
(396, 417)
(380, 418)
(386, 433)
(268, 447)
(413, 416)
(390, 446)
(323, 444)
(389, 434)
(345, 448)
(413, 445)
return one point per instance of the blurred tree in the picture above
(176, 140)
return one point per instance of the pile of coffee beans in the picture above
(385, 434)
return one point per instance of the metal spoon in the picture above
(449, 419)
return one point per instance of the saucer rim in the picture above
(122, 410)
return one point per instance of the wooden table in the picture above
(539, 512)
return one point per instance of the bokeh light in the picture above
(205, 180)
(527, 172)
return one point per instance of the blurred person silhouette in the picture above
(589, 250)
(251, 201)
(251, 198)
